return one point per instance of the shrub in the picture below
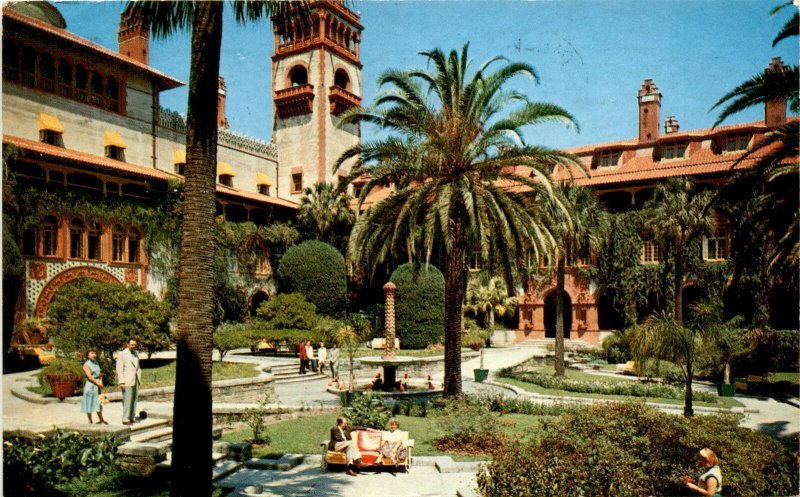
(367, 410)
(635, 450)
(615, 348)
(419, 305)
(770, 351)
(468, 426)
(89, 314)
(259, 330)
(289, 310)
(37, 466)
(256, 419)
(317, 270)
(229, 336)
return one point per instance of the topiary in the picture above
(419, 305)
(289, 311)
(318, 271)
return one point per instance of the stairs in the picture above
(289, 373)
(152, 431)
(549, 344)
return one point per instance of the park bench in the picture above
(369, 443)
(380, 343)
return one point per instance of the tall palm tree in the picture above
(677, 215)
(323, 208)
(578, 230)
(455, 161)
(490, 298)
(192, 421)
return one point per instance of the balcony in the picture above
(294, 101)
(341, 100)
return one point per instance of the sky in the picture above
(591, 55)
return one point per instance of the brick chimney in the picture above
(133, 36)
(671, 125)
(649, 111)
(775, 111)
(222, 122)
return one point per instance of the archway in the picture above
(256, 300)
(550, 315)
(49, 291)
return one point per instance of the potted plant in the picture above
(63, 375)
(481, 374)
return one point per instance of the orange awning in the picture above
(113, 139)
(263, 179)
(50, 123)
(225, 169)
(179, 157)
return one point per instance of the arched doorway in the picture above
(258, 298)
(550, 315)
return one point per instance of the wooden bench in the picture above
(369, 445)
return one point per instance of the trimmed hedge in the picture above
(419, 306)
(318, 271)
(631, 450)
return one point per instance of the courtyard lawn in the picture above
(529, 387)
(303, 435)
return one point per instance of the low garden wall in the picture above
(242, 390)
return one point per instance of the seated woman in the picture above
(402, 385)
(377, 383)
(393, 448)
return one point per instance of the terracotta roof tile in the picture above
(167, 82)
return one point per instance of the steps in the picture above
(289, 373)
(151, 431)
(550, 343)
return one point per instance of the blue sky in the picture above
(591, 55)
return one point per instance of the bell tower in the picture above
(316, 75)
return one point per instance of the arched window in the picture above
(98, 91)
(93, 242)
(298, 76)
(134, 245)
(118, 244)
(50, 236)
(10, 61)
(81, 83)
(341, 79)
(112, 94)
(28, 67)
(64, 79)
(47, 73)
(76, 229)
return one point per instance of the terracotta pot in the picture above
(62, 385)
(475, 346)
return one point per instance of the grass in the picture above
(303, 435)
(788, 376)
(529, 387)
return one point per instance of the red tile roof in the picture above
(39, 150)
(167, 82)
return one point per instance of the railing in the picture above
(47, 84)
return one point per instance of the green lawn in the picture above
(530, 387)
(303, 435)
(790, 376)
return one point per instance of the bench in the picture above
(369, 443)
(380, 343)
(628, 367)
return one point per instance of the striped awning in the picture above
(179, 157)
(113, 139)
(263, 179)
(225, 169)
(50, 123)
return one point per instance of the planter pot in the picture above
(481, 375)
(63, 386)
(475, 346)
(726, 389)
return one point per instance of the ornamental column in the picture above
(389, 333)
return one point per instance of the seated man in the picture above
(377, 383)
(342, 441)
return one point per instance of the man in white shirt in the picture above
(129, 376)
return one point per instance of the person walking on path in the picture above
(90, 402)
(322, 356)
(301, 351)
(129, 375)
(333, 360)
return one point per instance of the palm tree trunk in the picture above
(191, 448)
(678, 284)
(454, 290)
(687, 398)
(559, 359)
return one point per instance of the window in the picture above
(118, 244)
(180, 168)
(64, 79)
(47, 73)
(298, 76)
(10, 61)
(51, 137)
(93, 242)
(112, 94)
(341, 79)
(609, 158)
(263, 189)
(30, 242)
(226, 179)
(357, 190)
(28, 67)
(134, 245)
(675, 150)
(262, 261)
(115, 152)
(475, 261)
(651, 252)
(715, 247)
(50, 236)
(736, 143)
(297, 183)
(76, 239)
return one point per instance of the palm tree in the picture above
(192, 421)
(489, 298)
(578, 232)
(676, 216)
(323, 208)
(458, 165)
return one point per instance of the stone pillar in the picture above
(389, 334)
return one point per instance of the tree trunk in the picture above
(678, 285)
(454, 290)
(192, 421)
(726, 378)
(559, 359)
(687, 399)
